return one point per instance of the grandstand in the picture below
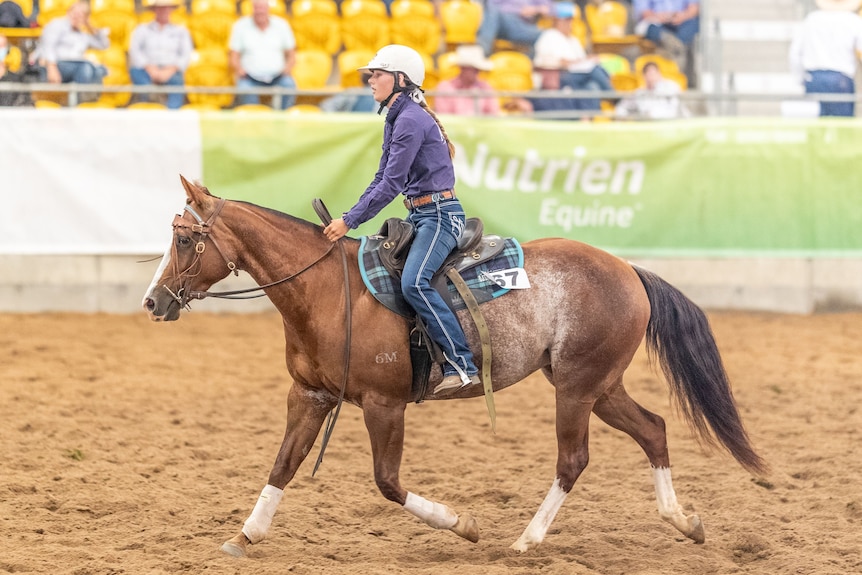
(729, 80)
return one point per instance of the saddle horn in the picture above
(321, 211)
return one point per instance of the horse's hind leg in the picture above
(619, 410)
(306, 410)
(384, 419)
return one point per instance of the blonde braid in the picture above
(449, 143)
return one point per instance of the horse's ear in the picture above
(196, 194)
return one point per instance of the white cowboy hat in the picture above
(160, 3)
(838, 5)
(472, 56)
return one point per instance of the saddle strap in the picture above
(484, 336)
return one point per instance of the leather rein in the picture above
(184, 295)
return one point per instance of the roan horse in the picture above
(581, 323)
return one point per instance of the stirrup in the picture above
(455, 381)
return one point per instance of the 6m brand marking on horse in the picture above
(386, 357)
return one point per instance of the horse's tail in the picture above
(678, 334)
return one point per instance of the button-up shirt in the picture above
(415, 161)
(465, 105)
(60, 41)
(262, 52)
(155, 45)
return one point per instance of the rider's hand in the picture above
(336, 229)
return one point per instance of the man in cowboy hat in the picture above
(159, 52)
(470, 59)
(824, 53)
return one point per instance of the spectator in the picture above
(582, 72)
(64, 42)
(470, 60)
(549, 68)
(351, 100)
(823, 54)
(672, 25)
(262, 53)
(512, 20)
(159, 52)
(7, 75)
(657, 100)
(11, 15)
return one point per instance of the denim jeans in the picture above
(438, 227)
(596, 79)
(283, 81)
(77, 71)
(140, 77)
(506, 26)
(686, 31)
(831, 82)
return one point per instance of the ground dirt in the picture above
(132, 447)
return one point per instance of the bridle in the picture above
(203, 232)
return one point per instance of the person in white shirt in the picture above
(581, 71)
(657, 100)
(824, 53)
(159, 52)
(63, 44)
(262, 53)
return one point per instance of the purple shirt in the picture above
(415, 161)
(515, 6)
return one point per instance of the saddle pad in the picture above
(385, 287)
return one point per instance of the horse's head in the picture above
(193, 262)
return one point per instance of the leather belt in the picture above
(432, 198)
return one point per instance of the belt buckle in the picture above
(435, 197)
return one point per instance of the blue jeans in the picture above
(283, 81)
(506, 26)
(76, 71)
(596, 79)
(438, 227)
(140, 77)
(686, 31)
(831, 82)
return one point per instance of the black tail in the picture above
(678, 334)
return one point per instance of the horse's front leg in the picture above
(384, 419)
(306, 410)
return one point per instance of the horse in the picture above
(580, 323)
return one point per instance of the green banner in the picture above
(711, 187)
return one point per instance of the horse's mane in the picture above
(282, 215)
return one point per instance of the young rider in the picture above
(416, 162)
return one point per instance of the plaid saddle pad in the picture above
(387, 289)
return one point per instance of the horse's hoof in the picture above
(467, 527)
(235, 546)
(520, 545)
(697, 534)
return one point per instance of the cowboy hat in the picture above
(472, 56)
(838, 5)
(161, 3)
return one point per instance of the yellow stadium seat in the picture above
(211, 29)
(625, 81)
(50, 9)
(312, 69)
(614, 63)
(97, 104)
(13, 59)
(316, 25)
(146, 106)
(112, 5)
(223, 6)
(304, 109)
(117, 76)
(26, 6)
(201, 107)
(512, 71)
(431, 77)
(120, 23)
(447, 68)
(348, 61)
(665, 65)
(413, 23)
(111, 57)
(250, 108)
(209, 68)
(364, 25)
(276, 8)
(608, 18)
(47, 104)
(461, 20)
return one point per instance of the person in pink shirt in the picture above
(471, 60)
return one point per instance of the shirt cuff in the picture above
(349, 221)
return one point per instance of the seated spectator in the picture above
(351, 100)
(582, 72)
(159, 52)
(64, 41)
(262, 53)
(6, 75)
(823, 54)
(657, 100)
(470, 60)
(549, 68)
(672, 25)
(512, 20)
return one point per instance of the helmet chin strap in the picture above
(396, 87)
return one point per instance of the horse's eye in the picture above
(184, 241)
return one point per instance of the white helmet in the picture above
(398, 58)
